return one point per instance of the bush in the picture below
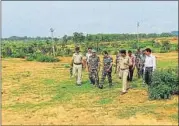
(41, 58)
(19, 55)
(164, 84)
(163, 51)
(44, 58)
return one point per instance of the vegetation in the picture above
(164, 84)
(18, 47)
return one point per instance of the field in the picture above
(36, 93)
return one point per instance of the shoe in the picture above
(100, 86)
(122, 93)
(78, 84)
(129, 88)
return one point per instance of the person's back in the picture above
(107, 62)
(93, 62)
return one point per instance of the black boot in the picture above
(100, 86)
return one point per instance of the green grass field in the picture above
(43, 93)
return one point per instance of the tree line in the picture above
(79, 37)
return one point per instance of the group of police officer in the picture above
(125, 65)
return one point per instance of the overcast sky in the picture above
(30, 18)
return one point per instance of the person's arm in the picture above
(87, 59)
(154, 63)
(110, 64)
(72, 61)
(130, 62)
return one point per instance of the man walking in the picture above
(107, 69)
(149, 66)
(125, 62)
(132, 67)
(94, 66)
(77, 65)
(88, 54)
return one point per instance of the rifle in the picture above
(71, 72)
(71, 69)
(116, 67)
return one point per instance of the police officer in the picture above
(107, 69)
(125, 62)
(94, 66)
(77, 61)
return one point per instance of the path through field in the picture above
(43, 93)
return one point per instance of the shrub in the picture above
(19, 55)
(163, 51)
(41, 58)
(45, 58)
(164, 84)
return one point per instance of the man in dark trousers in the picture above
(132, 67)
(149, 65)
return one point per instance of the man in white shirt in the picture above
(88, 54)
(149, 65)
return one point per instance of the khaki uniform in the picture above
(77, 66)
(125, 62)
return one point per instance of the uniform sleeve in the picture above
(73, 57)
(81, 56)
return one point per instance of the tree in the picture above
(65, 39)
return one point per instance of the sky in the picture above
(35, 18)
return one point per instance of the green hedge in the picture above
(41, 58)
(164, 84)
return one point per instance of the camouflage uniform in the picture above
(137, 63)
(106, 64)
(93, 69)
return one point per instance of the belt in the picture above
(125, 69)
(77, 63)
(148, 67)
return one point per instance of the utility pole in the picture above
(53, 48)
(138, 34)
